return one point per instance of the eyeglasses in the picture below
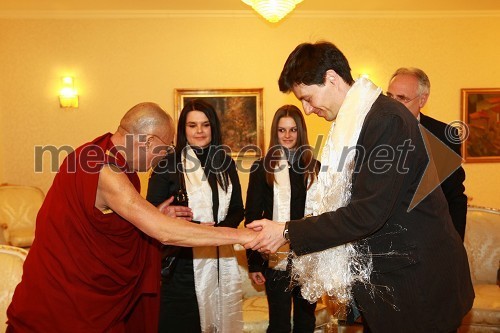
(168, 145)
(401, 98)
(171, 145)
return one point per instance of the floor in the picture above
(336, 328)
(338, 316)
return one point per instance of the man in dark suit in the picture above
(408, 246)
(411, 86)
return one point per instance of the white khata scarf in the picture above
(282, 195)
(217, 277)
(333, 271)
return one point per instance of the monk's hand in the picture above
(245, 235)
(270, 236)
(181, 212)
(208, 223)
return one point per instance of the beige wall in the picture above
(2, 140)
(118, 62)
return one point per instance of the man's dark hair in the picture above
(308, 64)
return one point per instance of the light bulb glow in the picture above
(272, 10)
(68, 96)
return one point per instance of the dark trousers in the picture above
(351, 319)
(279, 299)
(178, 304)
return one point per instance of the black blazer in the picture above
(452, 186)
(420, 280)
(164, 182)
(260, 200)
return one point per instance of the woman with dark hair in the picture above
(277, 190)
(201, 287)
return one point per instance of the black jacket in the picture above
(452, 186)
(165, 182)
(421, 279)
(260, 200)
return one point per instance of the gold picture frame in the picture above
(481, 116)
(240, 113)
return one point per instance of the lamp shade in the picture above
(68, 97)
(272, 10)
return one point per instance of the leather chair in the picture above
(482, 242)
(11, 270)
(19, 207)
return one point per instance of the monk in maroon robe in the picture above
(94, 263)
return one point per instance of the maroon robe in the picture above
(87, 271)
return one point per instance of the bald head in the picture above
(144, 135)
(148, 118)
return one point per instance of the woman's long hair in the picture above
(307, 166)
(217, 160)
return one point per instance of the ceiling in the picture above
(236, 5)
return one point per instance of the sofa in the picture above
(11, 270)
(482, 242)
(19, 206)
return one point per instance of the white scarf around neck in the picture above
(216, 273)
(282, 196)
(333, 271)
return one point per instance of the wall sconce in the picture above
(68, 97)
(272, 10)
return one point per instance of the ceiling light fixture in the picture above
(272, 10)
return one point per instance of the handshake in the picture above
(265, 236)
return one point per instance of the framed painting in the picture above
(240, 114)
(481, 116)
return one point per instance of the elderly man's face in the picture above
(159, 148)
(404, 88)
(150, 149)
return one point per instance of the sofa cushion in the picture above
(482, 236)
(22, 237)
(19, 206)
(486, 308)
(11, 270)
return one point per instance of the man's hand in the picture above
(175, 211)
(270, 236)
(258, 278)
